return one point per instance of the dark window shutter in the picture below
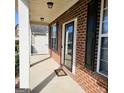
(90, 35)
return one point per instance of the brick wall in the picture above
(91, 81)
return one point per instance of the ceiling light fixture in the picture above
(50, 4)
(42, 19)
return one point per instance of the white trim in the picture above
(74, 43)
(103, 35)
(62, 48)
(106, 8)
(100, 36)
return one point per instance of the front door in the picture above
(68, 45)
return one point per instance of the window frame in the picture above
(101, 35)
(55, 50)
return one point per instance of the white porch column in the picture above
(24, 41)
(30, 35)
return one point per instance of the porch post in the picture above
(24, 41)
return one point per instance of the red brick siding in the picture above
(91, 81)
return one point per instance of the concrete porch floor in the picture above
(44, 80)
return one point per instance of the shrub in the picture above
(16, 64)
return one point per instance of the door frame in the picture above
(74, 43)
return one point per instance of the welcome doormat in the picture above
(60, 72)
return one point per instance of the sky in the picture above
(16, 17)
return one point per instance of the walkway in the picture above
(44, 80)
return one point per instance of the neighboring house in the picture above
(17, 32)
(78, 40)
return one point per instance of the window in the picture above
(102, 67)
(54, 37)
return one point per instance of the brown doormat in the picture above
(60, 72)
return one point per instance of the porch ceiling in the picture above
(38, 9)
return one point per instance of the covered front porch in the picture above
(35, 68)
(43, 78)
(72, 31)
